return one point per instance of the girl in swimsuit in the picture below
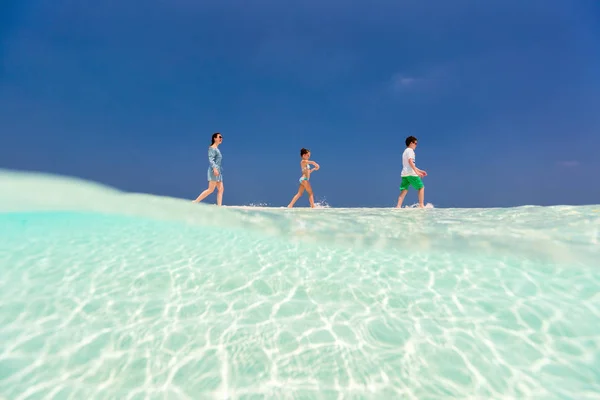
(304, 179)
(214, 173)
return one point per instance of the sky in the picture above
(503, 97)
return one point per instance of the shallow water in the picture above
(107, 295)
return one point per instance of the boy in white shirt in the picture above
(411, 175)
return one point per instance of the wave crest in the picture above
(554, 234)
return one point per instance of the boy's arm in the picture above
(414, 167)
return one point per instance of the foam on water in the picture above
(111, 295)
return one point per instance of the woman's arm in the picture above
(212, 156)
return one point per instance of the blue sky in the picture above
(502, 95)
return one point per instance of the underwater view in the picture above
(113, 295)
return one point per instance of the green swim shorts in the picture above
(414, 181)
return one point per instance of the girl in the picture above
(215, 178)
(304, 184)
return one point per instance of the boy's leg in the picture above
(401, 198)
(404, 185)
(417, 183)
(422, 197)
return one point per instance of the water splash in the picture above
(263, 205)
(416, 205)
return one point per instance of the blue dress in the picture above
(214, 159)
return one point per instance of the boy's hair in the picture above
(410, 139)
(304, 151)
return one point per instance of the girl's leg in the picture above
(220, 190)
(211, 188)
(296, 197)
(311, 198)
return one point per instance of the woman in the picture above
(215, 177)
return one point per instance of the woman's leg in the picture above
(211, 188)
(220, 190)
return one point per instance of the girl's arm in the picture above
(314, 163)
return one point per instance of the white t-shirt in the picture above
(406, 168)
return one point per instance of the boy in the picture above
(411, 175)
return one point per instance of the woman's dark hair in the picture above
(410, 139)
(304, 151)
(214, 136)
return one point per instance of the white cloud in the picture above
(401, 81)
(424, 80)
(569, 164)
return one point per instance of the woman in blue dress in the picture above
(215, 177)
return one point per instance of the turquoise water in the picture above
(106, 295)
